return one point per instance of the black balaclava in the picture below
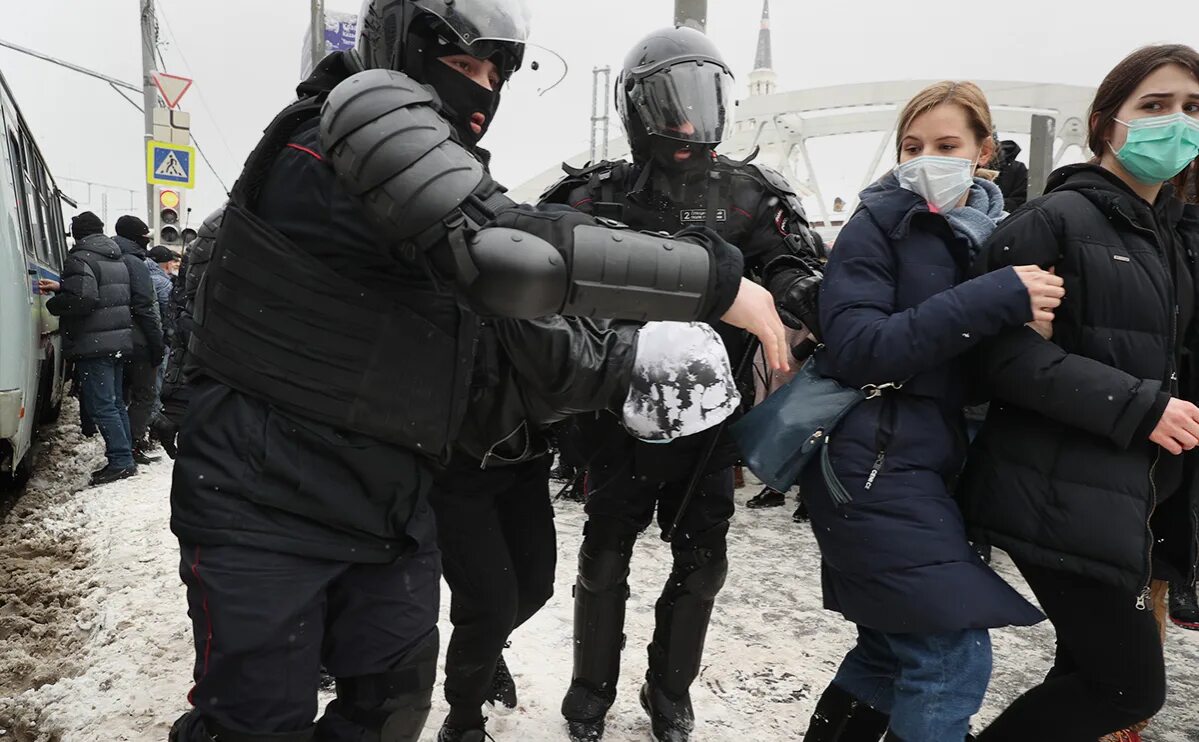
(461, 97)
(132, 228)
(659, 150)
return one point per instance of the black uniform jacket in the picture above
(251, 474)
(752, 208)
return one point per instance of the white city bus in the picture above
(32, 246)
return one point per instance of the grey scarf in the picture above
(975, 221)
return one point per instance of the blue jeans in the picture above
(929, 684)
(100, 395)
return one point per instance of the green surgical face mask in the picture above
(1159, 147)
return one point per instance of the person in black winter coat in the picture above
(1013, 175)
(93, 301)
(1078, 472)
(897, 308)
(149, 346)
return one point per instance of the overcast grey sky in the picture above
(245, 57)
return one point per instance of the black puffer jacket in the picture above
(1013, 175)
(1063, 474)
(148, 342)
(93, 301)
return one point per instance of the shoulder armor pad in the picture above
(199, 250)
(389, 145)
(773, 179)
(777, 184)
(576, 177)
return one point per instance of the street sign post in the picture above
(170, 164)
(172, 87)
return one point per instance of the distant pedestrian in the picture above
(141, 372)
(97, 335)
(163, 264)
(1013, 175)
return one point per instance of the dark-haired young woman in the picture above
(1079, 472)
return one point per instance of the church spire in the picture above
(763, 80)
(764, 59)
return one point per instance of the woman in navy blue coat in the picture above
(896, 308)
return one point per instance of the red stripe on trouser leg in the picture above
(195, 569)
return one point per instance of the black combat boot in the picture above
(840, 717)
(671, 718)
(600, 594)
(1184, 609)
(767, 498)
(448, 733)
(586, 710)
(682, 615)
(801, 512)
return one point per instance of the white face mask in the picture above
(942, 181)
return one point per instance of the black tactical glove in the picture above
(799, 307)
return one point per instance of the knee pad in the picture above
(701, 572)
(604, 559)
(393, 706)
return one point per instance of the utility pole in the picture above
(692, 13)
(149, 89)
(318, 32)
(599, 121)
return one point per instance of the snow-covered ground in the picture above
(95, 645)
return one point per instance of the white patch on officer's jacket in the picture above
(682, 382)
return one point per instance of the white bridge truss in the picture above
(781, 125)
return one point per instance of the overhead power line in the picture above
(116, 85)
(82, 70)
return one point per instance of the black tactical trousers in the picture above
(265, 622)
(619, 506)
(495, 529)
(141, 396)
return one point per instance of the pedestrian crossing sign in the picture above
(170, 165)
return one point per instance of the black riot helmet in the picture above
(675, 92)
(410, 36)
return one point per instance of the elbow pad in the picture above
(600, 272)
(622, 274)
(588, 270)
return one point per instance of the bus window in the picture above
(32, 193)
(44, 197)
(58, 235)
(17, 158)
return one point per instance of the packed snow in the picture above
(95, 642)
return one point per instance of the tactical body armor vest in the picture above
(272, 321)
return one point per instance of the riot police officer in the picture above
(676, 98)
(337, 355)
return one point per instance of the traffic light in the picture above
(168, 217)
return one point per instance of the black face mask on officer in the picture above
(676, 156)
(463, 100)
(666, 152)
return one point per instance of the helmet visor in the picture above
(483, 20)
(692, 101)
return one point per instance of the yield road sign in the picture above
(170, 165)
(172, 87)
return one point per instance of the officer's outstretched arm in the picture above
(390, 146)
